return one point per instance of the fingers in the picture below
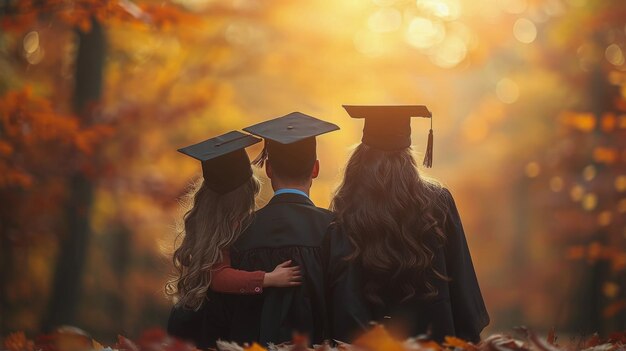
(284, 264)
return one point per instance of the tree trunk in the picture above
(67, 283)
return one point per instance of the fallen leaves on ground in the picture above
(377, 339)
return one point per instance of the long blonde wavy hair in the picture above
(212, 224)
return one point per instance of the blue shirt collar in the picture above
(290, 191)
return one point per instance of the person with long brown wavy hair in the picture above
(222, 207)
(396, 253)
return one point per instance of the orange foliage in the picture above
(18, 342)
(378, 339)
(79, 13)
(30, 124)
(455, 342)
(615, 308)
(255, 347)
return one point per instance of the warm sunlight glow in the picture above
(385, 20)
(445, 9)
(525, 31)
(450, 52)
(513, 6)
(507, 91)
(424, 33)
(369, 43)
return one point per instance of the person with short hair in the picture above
(289, 227)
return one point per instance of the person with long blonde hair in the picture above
(397, 253)
(223, 204)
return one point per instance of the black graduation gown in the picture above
(290, 227)
(204, 326)
(457, 310)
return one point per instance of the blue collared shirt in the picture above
(290, 191)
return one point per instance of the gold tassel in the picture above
(428, 157)
(259, 161)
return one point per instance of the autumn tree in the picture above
(57, 135)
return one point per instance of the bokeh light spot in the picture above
(556, 184)
(507, 91)
(31, 42)
(577, 192)
(614, 55)
(525, 31)
(532, 169)
(590, 201)
(424, 33)
(445, 9)
(449, 53)
(620, 183)
(385, 20)
(589, 172)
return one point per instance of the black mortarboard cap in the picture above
(290, 136)
(225, 163)
(388, 128)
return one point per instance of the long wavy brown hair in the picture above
(212, 224)
(388, 212)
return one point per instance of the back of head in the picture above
(292, 162)
(211, 224)
(387, 210)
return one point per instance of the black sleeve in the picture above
(347, 311)
(468, 307)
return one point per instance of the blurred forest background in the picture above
(529, 103)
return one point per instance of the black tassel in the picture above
(428, 157)
(259, 161)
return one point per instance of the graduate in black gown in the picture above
(397, 253)
(223, 205)
(289, 227)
